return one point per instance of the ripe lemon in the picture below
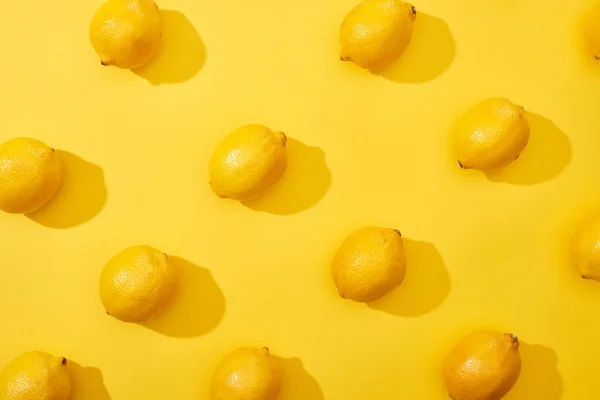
(30, 175)
(369, 264)
(247, 374)
(247, 162)
(126, 33)
(35, 376)
(587, 250)
(376, 32)
(592, 30)
(491, 135)
(484, 365)
(137, 283)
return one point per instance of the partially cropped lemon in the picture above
(491, 135)
(248, 162)
(587, 250)
(376, 32)
(137, 283)
(484, 365)
(36, 376)
(592, 30)
(247, 374)
(126, 33)
(369, 264)
(30, 175)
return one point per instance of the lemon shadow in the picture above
(297, 383)
(197, 306)
(426, 283)
(546, 155)
(88, 383)
(304, 183)
(80, 198)
(430, 52)
(540, 378)
(181, 54)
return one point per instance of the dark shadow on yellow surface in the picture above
(546, 155)
(181, 54)
(426, 283)
(297, 383)
(197, 307)
(429, 53)
(87, 382)
(80, 198)
(540, 378)
(305, 182)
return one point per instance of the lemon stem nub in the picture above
(414, 10)
(514, 337)
(64, 361)
(398, 232)
(460, 164)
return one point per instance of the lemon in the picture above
(491, 135)
(30, 175)
(592, 30)
(484, 365)
(137, 283)
(587, 250)
(35, 376)
(376, 32)
(247, 374)
(370, 263)
(247, 162)
(126, 33)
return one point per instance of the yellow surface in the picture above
(484, 252)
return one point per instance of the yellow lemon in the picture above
(369, 264)
(376, 32)
(126, 33)
(484, 365)
(36, 376)
(137, 283)
(247, 374)
(491, 135)
(587, 250)
(592, 30)
(30, 175)
(247, 162)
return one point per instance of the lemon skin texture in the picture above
(248, 162)
(126, 33)
(586, 250)
(370, 263)
(484, 365)
(592, 30)
(30, 175)
(376, 32)
(247, 374)
(137, 283)
(35, 375)
(491, 135)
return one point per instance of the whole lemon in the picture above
(36, 376)
(592, 30)
(247, 162)
(137, 283)
(376, 32)
(370, 263)
(491, 135)
(247, 374)
(30, 175)
(484, 365)
(587, 250)
(126, 33)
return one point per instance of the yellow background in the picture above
(365, 149)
